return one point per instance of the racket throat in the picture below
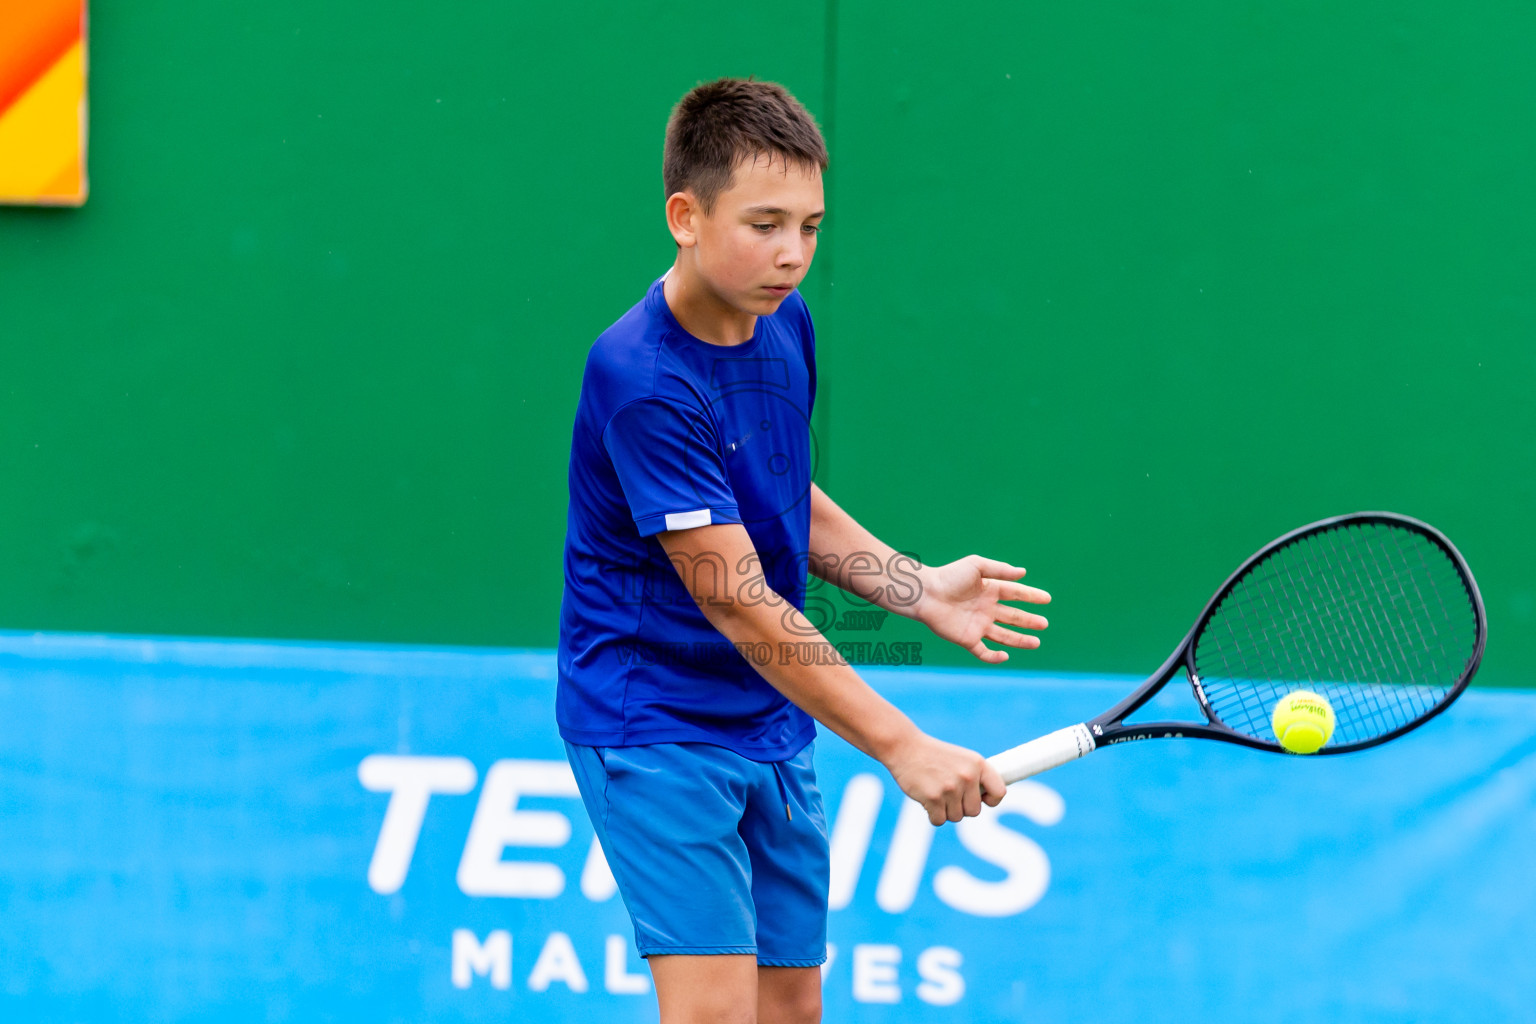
(1199, 689)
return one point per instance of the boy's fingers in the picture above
(993, 788)
(996, 570)
(1021, 618)
(1019, 592)
(972, 804)
(987, 654)
(1007, 636)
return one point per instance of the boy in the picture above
(693, 521)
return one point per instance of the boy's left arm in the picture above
(962, 602)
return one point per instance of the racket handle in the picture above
(1048, 751)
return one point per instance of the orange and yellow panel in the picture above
(42, 102)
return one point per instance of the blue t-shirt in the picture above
(675, 433)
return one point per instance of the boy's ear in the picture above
(683, 213)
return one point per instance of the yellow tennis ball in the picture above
(1303, 721)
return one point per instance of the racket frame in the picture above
(1110, 727)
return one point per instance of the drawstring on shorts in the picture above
(778, 773)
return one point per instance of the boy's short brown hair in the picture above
(721, 122)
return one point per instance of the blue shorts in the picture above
(706, 857)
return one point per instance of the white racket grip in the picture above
(1048, 751)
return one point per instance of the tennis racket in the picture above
(1376, 612)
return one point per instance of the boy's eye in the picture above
(764, 228)
(812, 229)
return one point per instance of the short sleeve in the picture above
(668, 462)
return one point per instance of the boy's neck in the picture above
(700, 311)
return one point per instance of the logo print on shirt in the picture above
(764, 384)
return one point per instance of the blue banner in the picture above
(235, 831)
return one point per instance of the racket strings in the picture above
(1375, 617)
(1354, 640)
(1357, 646)
(1279, 620)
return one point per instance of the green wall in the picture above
(1118, 294)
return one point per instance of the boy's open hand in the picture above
(950, 782)
(962, 602)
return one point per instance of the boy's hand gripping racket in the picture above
(1376, 612)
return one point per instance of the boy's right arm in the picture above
(950, 782)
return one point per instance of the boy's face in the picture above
(755, 245)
